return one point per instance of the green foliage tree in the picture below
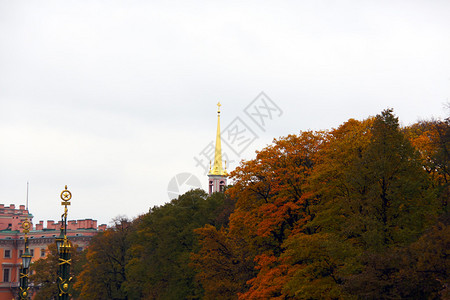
(371, 187)
(418, 271)
(397, 187)
(103, 276)
(162, 244)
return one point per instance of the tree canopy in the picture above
(356, 212)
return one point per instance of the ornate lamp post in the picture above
(63, 246)
(26, 260)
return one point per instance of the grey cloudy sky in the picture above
(115, 98)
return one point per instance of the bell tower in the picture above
(217, 176)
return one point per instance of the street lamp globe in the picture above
(26, 258)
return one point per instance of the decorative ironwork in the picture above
(64, 248)
(26, 260)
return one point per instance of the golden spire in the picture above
(217, 168)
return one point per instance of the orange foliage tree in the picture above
(271, 197)
(315, 256)
(432, 139)
(223, 262)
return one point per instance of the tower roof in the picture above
(217, 168)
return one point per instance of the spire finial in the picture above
(218, 107)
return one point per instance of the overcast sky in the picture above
(116, 98)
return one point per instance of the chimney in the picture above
(51, 224)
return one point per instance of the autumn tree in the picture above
(271, 197)
(103, 276)
(315, 251)
(432, 139)
(380, 195)
(44, 272)
(223, 263)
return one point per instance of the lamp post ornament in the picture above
(63, 247)
(26, 260)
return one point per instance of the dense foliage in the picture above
(357, 212)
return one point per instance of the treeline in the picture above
(357, 212)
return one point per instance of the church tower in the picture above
(217, 175)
